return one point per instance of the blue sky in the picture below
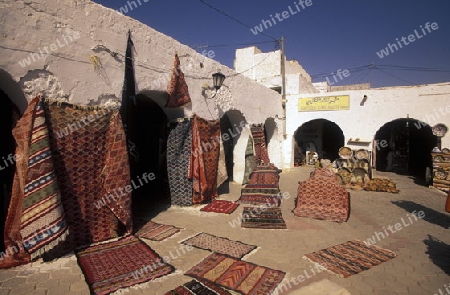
(323, 37)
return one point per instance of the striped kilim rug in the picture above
(262, 200)
(220, 245)
(220, 206)
(198, 288)
(156, 231)
(262, 217)
(259, 191)
(240, 276)
(350, 258)
(119, 264)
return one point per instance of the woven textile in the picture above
(322, 197)
(198, 288)
(220, 206)
(260, 191)
(261, 154)
(241, 276)
(119, 264)
(156, 231)
(179, 147)
(264, 177)
(220, 245)
(350, 258)
(178, 89)
(250, 162)
(204, 159)
(43, 223)
(91, 163)
(222, 174)
(262, 200)
(263, 218)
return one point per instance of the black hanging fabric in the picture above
(128, 108)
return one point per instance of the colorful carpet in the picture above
(350, 258)
(91, 163)
(220, 245)
(179, 147)
(263, 218)
(259, 191)
(261, 154)
(322, 197)
(263, 200)
(264, 177)
(250, 162)
(178, 89)
(204, 159)
(220, 206)
(156, 231)
(119, 264)
(259, 185)
(241, 276)
(198, 288)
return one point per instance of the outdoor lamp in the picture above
(218, 79)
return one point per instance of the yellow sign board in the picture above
(324, 103)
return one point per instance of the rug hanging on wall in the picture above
(220, 206)
(204, 159)
(156, 231)
(119, 264)
(220, 245)
(237, 275)
(179, 148)
(261, 154)
(91, 165)
(250, 161)
(350, 258)
(263, 218)
(198, 288)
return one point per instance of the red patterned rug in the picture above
(220, 245)
(220, 206)
(264, 177)
(156, 231)
(198, 288)
(350, 258)
(240, 276)
(263, 218)
(119, 264)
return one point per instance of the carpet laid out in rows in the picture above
(350, 258)
(198, 288)
(263, 218)
(220, 206)
(323, 197)
(119, 264)
(179, 147)
(237, 275)
(220, 245)
(156, 231)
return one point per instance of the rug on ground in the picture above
(119, 264)
(198, 288)
(261, 200)
(240, 276)
(263, 218)
(220, 245)
(220, 206)
(350, 258)
(156, 231)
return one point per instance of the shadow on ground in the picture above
(431, 215)
(438, 253)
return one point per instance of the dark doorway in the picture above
(406, 149)
(321, 136)
(9, 115)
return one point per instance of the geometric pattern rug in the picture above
(268, 201)
(219, 245)
(119, 264)
(198, 288)
(350, 258)
(220, 206)
(156, 231)
(240, 276)
(263, 218)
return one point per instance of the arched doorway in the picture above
(404, 146)
(321, 136)
(231, 123)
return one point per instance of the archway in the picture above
(321, 136)
(231, 124)
(404, 146)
